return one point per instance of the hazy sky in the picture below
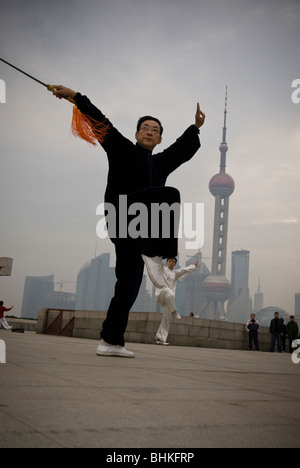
(133, 58)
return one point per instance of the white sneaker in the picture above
(163, 343)
(155, 270)
(176, 315)
(105, 349)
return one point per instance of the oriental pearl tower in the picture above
(216, 287)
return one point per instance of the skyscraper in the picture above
(35, 290)
(239, 272)
(297, 305)
(95, 284)
(216, 287)
(239, 300)
(258, 299)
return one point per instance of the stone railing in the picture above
(142, 327)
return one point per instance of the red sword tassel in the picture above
(83, 126)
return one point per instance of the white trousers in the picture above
(165, 298)
(4, 324)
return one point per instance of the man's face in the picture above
(149, 135)
(171, 263)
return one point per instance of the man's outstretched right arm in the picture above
(82, 102)
(114, 143)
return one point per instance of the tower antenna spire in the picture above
(224, 146)
(225, 115)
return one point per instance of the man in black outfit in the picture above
(275, 331)
(135, 172)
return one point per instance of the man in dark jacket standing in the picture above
(276, 330)
(292, 330)
(139, 175)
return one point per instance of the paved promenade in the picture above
(55, 392)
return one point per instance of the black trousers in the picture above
(130, 265)
(253, 336)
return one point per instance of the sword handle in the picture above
(52, 90)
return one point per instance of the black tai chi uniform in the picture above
(137, 173)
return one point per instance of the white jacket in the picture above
(172, 276)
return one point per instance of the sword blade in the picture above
(24, 73)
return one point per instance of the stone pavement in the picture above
(55, 392)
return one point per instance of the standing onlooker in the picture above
(292, 332)
(252, 328)
(283, 335)
(3, 322)
(276, 330)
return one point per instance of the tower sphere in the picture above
(223, 147)
(216, 288)
(221, 184)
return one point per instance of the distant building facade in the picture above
(34, 298)
(60, 300)
(96, 283)
(239, 304)
(297, 305)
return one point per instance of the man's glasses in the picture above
(147, 128)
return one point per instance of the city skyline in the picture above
(96, 280)
(161, 58)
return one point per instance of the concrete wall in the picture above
(143, 326)
(28, 325)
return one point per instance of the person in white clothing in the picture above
(165, 297)
(3, 321)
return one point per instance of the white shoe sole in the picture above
(159, 285)
(109, 352)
